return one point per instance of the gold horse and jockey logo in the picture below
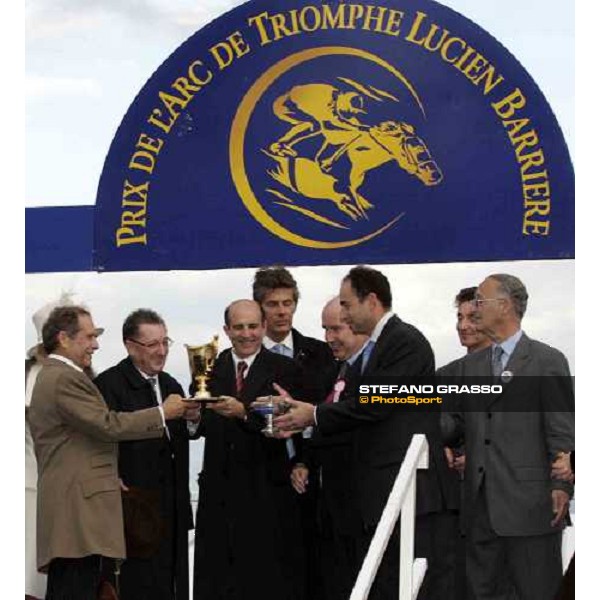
(325, 164)
(333, 116)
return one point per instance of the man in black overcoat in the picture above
(276, 290)
(154, 473)
(248, 535)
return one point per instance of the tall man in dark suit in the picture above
(155, 473)
(248, 535)
(514, 505)
(276, 290)
(381, 434)
(80, 520)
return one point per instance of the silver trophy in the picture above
(265, 407)
(269, 407)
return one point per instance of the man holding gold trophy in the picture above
(248, 534)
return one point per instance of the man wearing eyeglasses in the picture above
(154, 473)
(515, 497)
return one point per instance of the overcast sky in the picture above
(87, 59)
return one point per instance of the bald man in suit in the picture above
(248, 536)
(515, 504)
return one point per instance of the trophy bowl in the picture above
(265, 407)
(269, 407)
(201, 360)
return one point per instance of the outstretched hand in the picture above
(299, 416)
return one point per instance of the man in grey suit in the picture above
(515, 504)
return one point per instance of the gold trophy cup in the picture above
(201, 360)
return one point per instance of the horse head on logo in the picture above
(323, 110)
(409, 150)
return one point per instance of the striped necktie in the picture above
(154, 385)
(239, 377)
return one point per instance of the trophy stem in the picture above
(268, 429)
(202, 391)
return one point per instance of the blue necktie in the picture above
(283, 350)
(366, 355)
(497, 366)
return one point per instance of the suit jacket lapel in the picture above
(520, 356)
(138, 382)
(516, 364)
(299, 345)
(225, 374)
(257, 375)
(379, 347)
(480, 366)
(133, 376)
(483, 362)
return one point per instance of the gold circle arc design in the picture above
(238, 134)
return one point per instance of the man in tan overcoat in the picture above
(79, 520)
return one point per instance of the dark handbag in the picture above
(144, 526)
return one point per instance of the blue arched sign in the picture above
(333, 133)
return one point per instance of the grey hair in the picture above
(515, 289)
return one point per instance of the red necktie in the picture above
(239, 377)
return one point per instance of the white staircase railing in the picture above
(402, 499)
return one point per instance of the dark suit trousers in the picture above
(153, 578)
(308, 516)
(77, 578)
(510, 568)
(150, 578)
(339, 565)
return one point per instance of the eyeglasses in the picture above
(155, 345)
(479, 301)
